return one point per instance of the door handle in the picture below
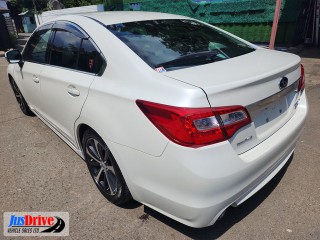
(73, 91)
(35, 79)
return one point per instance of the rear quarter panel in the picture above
(110, 108)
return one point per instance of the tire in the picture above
(20, 99)
(103, 169)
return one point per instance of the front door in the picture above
(35, 58)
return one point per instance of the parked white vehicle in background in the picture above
(175, 113)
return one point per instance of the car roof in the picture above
(114, 17)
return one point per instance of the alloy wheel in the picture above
(18, 95)
(100, 166)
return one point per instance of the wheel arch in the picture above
(80, 130)
(79, 133)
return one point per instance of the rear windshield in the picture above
(178, 43)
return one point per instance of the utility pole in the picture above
(35, 12)
(317, 22)
(275, 24)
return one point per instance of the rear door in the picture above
(74, 62)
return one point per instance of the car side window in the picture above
(65, 49)
(36, 50)
(73, 49)
(90, 59)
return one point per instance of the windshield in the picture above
(171, 44)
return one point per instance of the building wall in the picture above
(3, 5)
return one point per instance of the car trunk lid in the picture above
(250, 80)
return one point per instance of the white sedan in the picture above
(170, 111)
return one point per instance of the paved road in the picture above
(39, 172)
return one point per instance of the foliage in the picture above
(79, 3)
(227, 11)
(133, 1)
(23, 5)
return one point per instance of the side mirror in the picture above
(13, 56)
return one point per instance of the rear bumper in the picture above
(194, 186)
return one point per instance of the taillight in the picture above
(302, 79)
(195, 127)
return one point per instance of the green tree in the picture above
(23, 5)
(79, 3)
